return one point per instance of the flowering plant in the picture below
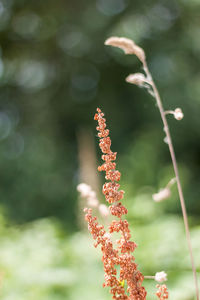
(128, 283)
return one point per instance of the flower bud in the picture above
(178, 114)
(161, 276)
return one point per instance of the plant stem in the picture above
(174, 162)
(149, 277)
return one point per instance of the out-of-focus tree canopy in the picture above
(55, 71)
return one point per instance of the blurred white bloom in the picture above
(86, 192)
(162, 195)
(92, 202)
(84, 189)
(103, 209)
(160, 276)
(178, 114)
(92, 194)
(108, 235)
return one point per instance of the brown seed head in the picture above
(127, 45)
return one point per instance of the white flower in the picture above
(86, 192)
(84, 189)
(161, 276)
(178, 114)
(92, 202)
(103, 209)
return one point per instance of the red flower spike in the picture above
(162, 292)
(121, 256)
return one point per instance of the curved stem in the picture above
(173, 157)
(171, 112)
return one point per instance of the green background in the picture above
(54, 72)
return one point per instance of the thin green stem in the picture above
(174, 162)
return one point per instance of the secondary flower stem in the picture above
(169, 112)
(173, 157)
(149, 277)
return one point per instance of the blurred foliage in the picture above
(39, 261)
(54, 72)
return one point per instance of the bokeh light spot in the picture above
(26, 25)
(85, 78)
(84, 81)
(74, 42)
(111, 7)
(5, 125)
(33, 75)
(1, 8)
(1, 67)
(14, 146)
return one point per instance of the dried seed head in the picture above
(162, 292)
(162, 195)
(121, 254)
(137, 78)
(127, 45)
(161, 276)
(178, 114)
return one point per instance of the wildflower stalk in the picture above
(129, 47)
(118, 253)
(175, 166)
